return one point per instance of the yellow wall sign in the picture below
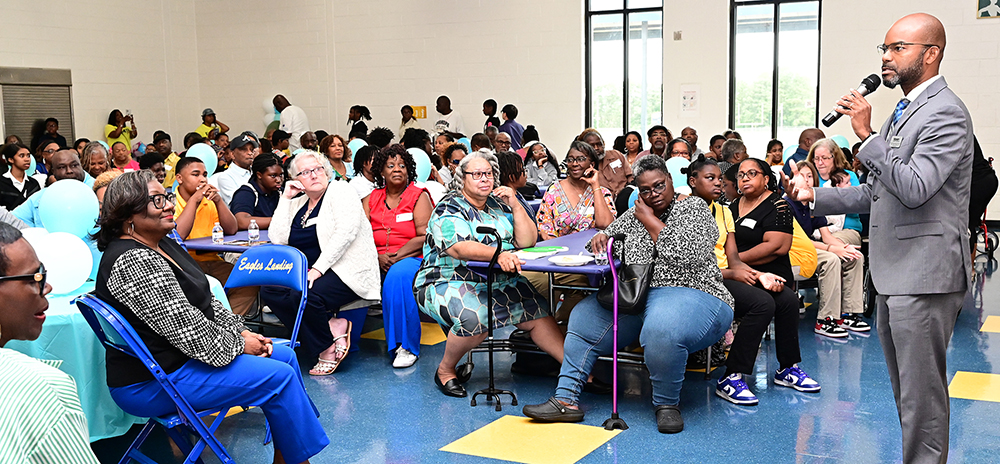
(419, 112)
(256, 265)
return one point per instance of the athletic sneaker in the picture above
(793, 377)
(733, 389)
(403, 359)
(854, 323)
(830, 328)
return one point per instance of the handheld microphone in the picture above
(869, 85)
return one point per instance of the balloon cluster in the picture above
(68, 211)
(271, 113)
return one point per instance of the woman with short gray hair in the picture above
(447, 290)
(94, 159)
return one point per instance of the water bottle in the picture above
(217, 234)
(253, 232)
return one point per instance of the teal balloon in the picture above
(423, 163)
(105, 144)
(206, 154)
(674, 166)
(68, 206)
(789, 152)
(96, 255)
(841, 141)
(31, 169)
(356, 144)
(633, 197)
(465, 141)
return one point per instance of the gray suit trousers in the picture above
(914, 331)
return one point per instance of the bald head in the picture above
(65, 164)
(809, 137)
(280, 102)
(921, 28)
(917, 44)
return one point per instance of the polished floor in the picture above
(374, 413)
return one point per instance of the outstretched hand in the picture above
(800, 189)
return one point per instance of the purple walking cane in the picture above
(614, 422)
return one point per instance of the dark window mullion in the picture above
(774, 72)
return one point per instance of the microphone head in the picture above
(872, 82)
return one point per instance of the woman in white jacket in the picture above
(337, 240)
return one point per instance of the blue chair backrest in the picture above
(177, 238)
(270, 265)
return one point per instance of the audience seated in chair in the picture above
(206, 351)
(258, 198)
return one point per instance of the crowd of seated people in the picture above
(372, 227)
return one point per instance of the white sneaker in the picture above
(403, 359)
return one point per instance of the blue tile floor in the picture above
(374, 413)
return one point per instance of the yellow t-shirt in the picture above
(204, 130)
(169, 165)
(205, 218)
(125, 137)
(723, 219)
(803, 252)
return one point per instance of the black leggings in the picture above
(756, 306)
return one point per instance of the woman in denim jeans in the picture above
(687, 310)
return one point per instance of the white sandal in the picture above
(327, 366)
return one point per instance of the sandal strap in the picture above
(341, 337)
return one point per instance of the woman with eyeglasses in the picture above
(763, 223)
(571, 205)
(543, 169)
(687, 307)
(205, 350)
(398, 211)
(332, 231)
(41, 413)
(447, 290)
(15, 184)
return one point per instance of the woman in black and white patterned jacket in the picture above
(212, 359)
(688, 307)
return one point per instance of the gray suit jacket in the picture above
(918, 195)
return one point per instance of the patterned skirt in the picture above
(461, 305)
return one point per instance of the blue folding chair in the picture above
(116, 333)
(276, 266)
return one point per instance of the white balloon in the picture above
(268, 107)
(267, 119)
(68, 261)
(33, 234)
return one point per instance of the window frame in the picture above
(776, 20)
(625, 11)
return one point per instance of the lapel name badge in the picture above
(895, 142)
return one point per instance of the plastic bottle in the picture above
(217, 234)
(253, 232)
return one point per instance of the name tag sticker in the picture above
(311, 222)
(749, 223)
(616, 164)
(404, 217)
(895, 142)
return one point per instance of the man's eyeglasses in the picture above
(455, 162)
(899, 47)
(747, 175)
(160, 199)
(503, 142)
(310, 172)
(37, 277)
(577, 159)
(657, 189)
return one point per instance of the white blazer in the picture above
(345, 238)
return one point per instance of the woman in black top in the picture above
(212, 359)
(763, 223)
(19, 160)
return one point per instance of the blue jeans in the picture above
(675, 322)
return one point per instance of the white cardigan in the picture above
(345, 238)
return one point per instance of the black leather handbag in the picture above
(633, 287)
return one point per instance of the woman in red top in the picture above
(398, 211)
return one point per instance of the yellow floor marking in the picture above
(519, 439)
(992, 324)
(430, 334)
(975, 386)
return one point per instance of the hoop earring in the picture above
(132, 225)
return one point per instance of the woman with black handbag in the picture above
(687, 308)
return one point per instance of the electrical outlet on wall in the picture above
(677, 35)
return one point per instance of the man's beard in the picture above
(905, 75)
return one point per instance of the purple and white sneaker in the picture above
(793, 377)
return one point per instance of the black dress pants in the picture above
(755, 307)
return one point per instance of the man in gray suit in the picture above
(920, 164)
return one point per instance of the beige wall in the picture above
(129, 55)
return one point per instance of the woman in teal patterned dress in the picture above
(447, 290)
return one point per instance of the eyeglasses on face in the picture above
(899, 47)
(657, 189)
(38, 277)
(455, 162)
(680, 152)
(823, 158)
(160, 199)
(576, 159)
(310, 172)
(747, 175)
(477, 175)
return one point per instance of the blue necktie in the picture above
(900, 107)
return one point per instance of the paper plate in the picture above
(570, 260)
